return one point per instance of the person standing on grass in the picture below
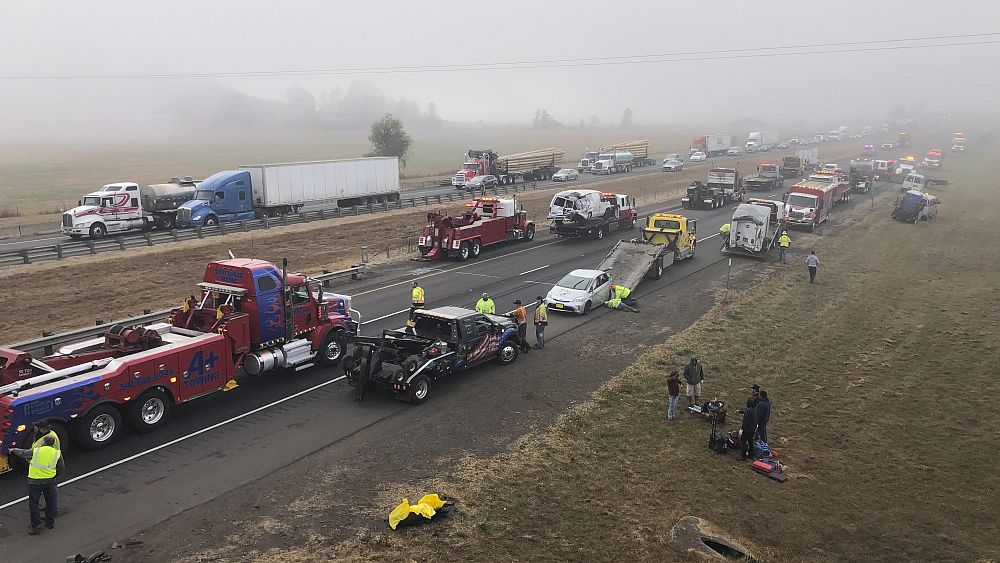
(813, 262)
(784, 241)
(763, 416)
(754, 395)
(747, 429)
(673, 394)
(694, 375)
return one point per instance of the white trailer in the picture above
(356, 181)
(761, 140)
(809, 156)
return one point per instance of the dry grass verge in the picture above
(883, 377)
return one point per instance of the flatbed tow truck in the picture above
(620, 215)
(666, 238)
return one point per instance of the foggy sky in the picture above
(153, 36)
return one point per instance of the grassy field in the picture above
(883, 380)
(39, 179)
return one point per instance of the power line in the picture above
(659, 58)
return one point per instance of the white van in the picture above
(930, 208)
(914, 182)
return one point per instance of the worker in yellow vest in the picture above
(486, 305)
(44, 463)
(724, 233)
(541, 321)
(41, 430)
(783, 243)
(416, 300)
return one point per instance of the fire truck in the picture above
(488, 220)
(250, 318)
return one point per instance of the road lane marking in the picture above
(535, 270)
(385, 316)
(475, 274)
(185, 437)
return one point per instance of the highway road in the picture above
(50, 236)
(215, 445)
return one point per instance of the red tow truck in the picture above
(251, 317)
(488, 220)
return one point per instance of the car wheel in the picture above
(332, 349)
(463, 251)
(475, 248)
(100, 427)
(150, 411)
(97, 231)
(586, 308)
(507, 353)
(420, 388)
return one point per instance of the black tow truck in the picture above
(440, 342)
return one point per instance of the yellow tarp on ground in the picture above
(426, 507)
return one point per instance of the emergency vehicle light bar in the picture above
(219, 288)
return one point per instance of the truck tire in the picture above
(332, 350)
(419, 390)
(656, 270)
(411, 364)
(98, 231)
(100, 427)
(150, 411)
(529, 233)
(507, 353)
(475, 248)
(463, 251)
(211, 221)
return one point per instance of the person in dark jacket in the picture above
(763, 416)
(747, 429)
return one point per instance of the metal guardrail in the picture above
(152, 238)
(48, 342)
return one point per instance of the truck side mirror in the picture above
(79, 202)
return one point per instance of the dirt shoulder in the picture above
(882, 377)
(78, 291)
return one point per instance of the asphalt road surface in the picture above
(216, 444)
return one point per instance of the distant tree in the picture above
(544, 120)
(582, 124)
(431, 118)
(626, 118)
(594, 121)
(389, 138)
(301, 101)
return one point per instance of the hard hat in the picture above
(784, 232)
(486, 295)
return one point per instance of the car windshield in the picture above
(666, 224)
(673, 162)
(565, 171)
(799, 200)
(203, 195)
(92, 200)
(574, 282)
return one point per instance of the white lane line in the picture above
(386, 316)
(535, 270)
(186, 437)
(475, 274)
(538, 282)
(477, 262)
(709, 236)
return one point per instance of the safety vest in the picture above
(43, 463)
(38, 443)
(541, 314)
(418, 296)
(784, 241)
(613, 303)
(622, 292)
(486, 306)
(724, 229)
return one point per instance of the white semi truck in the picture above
(127, 206)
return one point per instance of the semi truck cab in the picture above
(223, 197)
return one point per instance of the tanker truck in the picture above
(127, 206)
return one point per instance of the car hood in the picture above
(566, 294)
(193, 205)
(82, 210)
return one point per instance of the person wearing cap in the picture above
(673, 395)
(486, 305)
(694, 375)
(44, 462)
(520, 316)
(541, 320)
(748, 428)
(783, 243)
(754, 396)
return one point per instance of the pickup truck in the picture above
(441, 342)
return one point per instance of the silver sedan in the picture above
(565, 175)
(673, 166)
